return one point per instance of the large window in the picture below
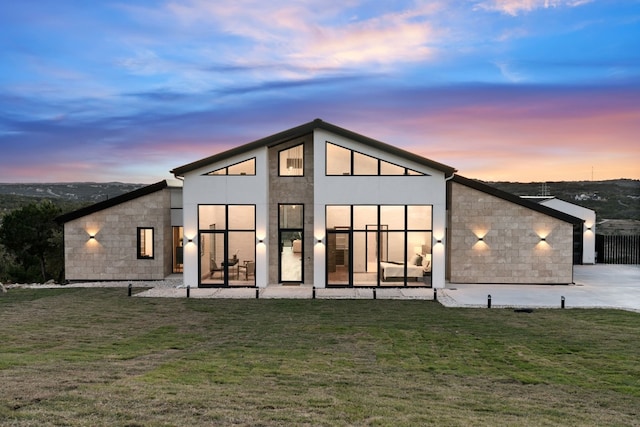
(227, 245)
(379, 245)
(343, 161)
(291, 161)
(145, 242)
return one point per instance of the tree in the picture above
(34, 239)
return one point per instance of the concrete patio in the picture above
(595, 286)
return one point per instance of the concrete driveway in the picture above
(595, 286)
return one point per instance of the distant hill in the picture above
(612, 199)
(68, 195)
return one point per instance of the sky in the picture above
(501, 90)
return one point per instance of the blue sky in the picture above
(519, 90)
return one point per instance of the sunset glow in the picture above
(515, 90)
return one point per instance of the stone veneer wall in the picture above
(294, 190)
(112, 255)
(511, 250)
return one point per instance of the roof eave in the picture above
(304, 129)
(96, 207)
(485, 188)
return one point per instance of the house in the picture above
(324, 206)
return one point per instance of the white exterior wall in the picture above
(588, 229)
(225, 190)
(376, 190)
(176, 206)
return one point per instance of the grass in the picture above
(87, 357)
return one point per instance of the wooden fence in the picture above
(618, 249)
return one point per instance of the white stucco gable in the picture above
(589, 227)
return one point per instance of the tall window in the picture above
(145, 242)
(291, 161)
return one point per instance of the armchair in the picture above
(249, 269)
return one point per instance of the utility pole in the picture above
(544, 189)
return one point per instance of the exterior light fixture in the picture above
(480, 239)
(92, 237)
(319, 240)
(190, 241)
(439, 241)
(543, 239)
(260, 240)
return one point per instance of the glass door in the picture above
(291, 238)
(338, 258)
(213, 264)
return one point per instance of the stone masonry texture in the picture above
(511, 249)
(112, 255)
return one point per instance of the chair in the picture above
(249, 269)
(214, 267)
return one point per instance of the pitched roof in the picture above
(305, 129)
(480, 186)
(96, 207)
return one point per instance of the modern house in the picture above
(321, 205)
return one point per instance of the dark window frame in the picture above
(379, 230)
(286, 230)
(224, 232)
(139, 242)
(226, 169)
(352, 164)
(303, 162)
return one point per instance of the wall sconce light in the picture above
(543, 239)
(189, 240)
(589, 228)
(92, 237)
(439, 241)
(480, 239)
(260, 240)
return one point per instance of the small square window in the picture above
(145, 242)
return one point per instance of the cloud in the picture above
(314, 36)
(508, 72)
(516, 7)
(279, 85)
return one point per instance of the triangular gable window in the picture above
(247, 167)
(343, 161)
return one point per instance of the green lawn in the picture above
(92, 357)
